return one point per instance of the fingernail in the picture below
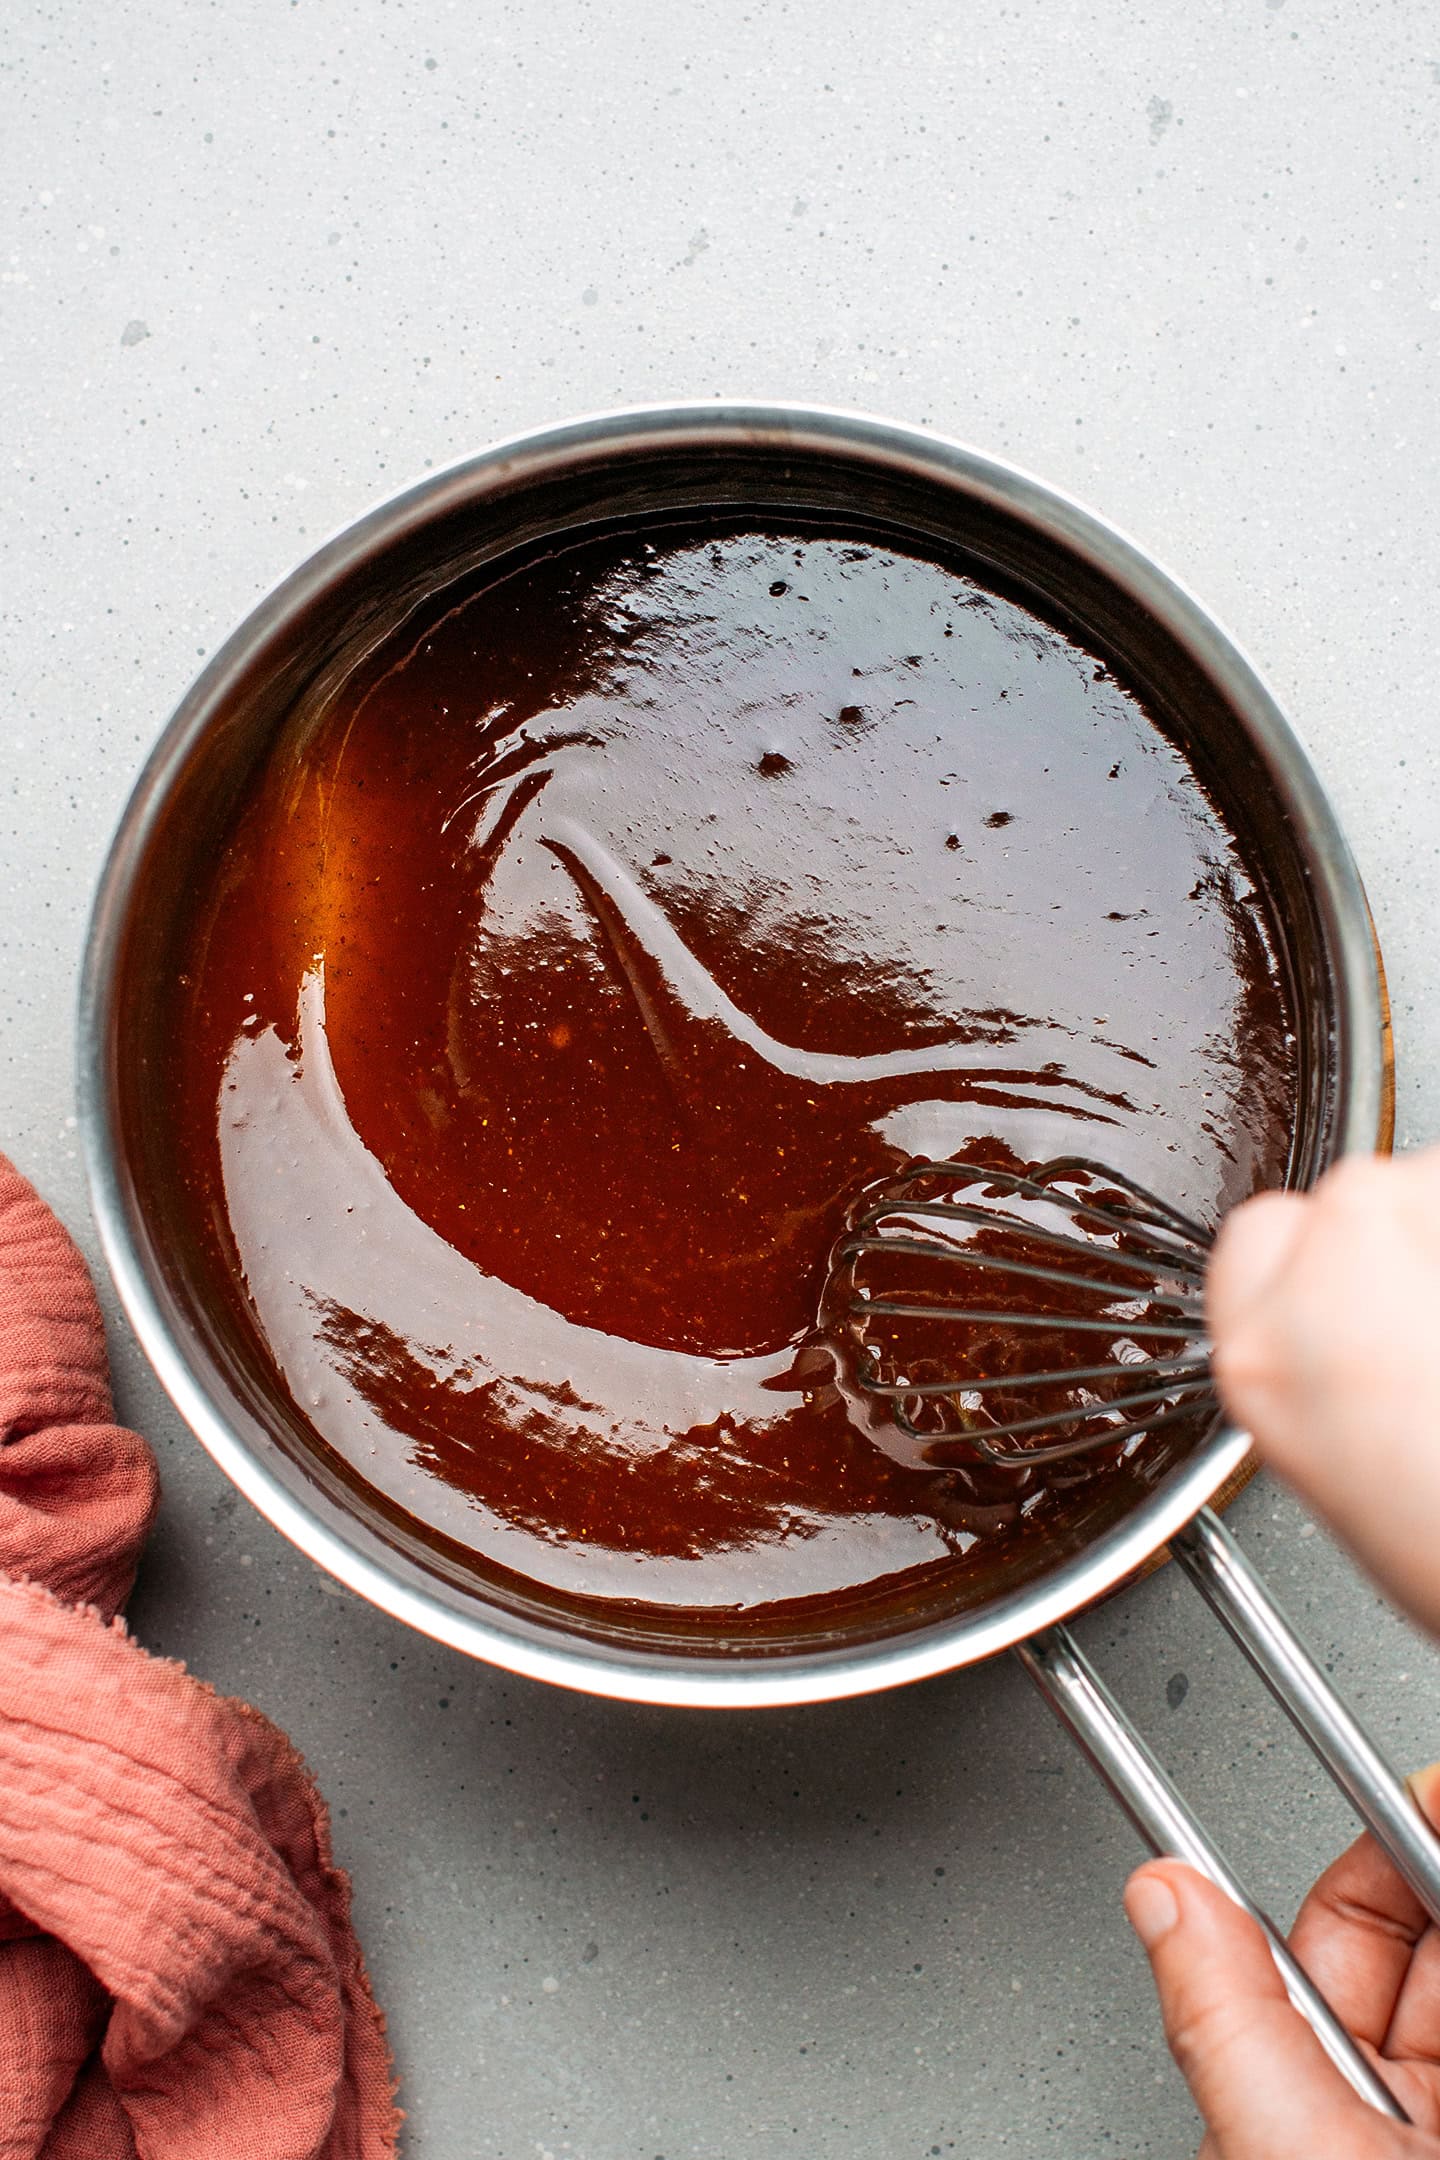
(1151, 1907)
(1424, 1787)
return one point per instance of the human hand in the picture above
(1324, 1312)
(1260, 2078)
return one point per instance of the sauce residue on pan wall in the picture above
(611, 926)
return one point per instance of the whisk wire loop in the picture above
(1056, 1451)
(1060, 1278)
(995, 1219)
(1067, 1376)
(1053, 1323)
(935, 1217)
(1136, 1202)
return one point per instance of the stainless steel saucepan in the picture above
(615, 467)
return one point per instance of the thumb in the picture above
(1251, 1253)
(1262, 2081)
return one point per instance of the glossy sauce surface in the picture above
(614, 924)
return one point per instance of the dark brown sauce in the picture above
(619, 919)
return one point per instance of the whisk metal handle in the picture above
(1095, 1721)
(1240, 1599)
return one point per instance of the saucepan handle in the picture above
(1225, 1578)
(1092, 1717)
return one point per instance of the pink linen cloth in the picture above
(179, 1979)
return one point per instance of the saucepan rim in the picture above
(317, 1521)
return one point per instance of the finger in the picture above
(1355, 1935)
(1415, 2023)
(1330, 1359)
(1425, 1787)
(1356, 1931)
(1260, 2078)
(1251, 1253)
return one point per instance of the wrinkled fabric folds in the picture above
(179, 1979)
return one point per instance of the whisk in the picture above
(972, 1301)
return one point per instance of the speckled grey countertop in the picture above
(263, 262)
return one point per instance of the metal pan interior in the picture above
(615, 470)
